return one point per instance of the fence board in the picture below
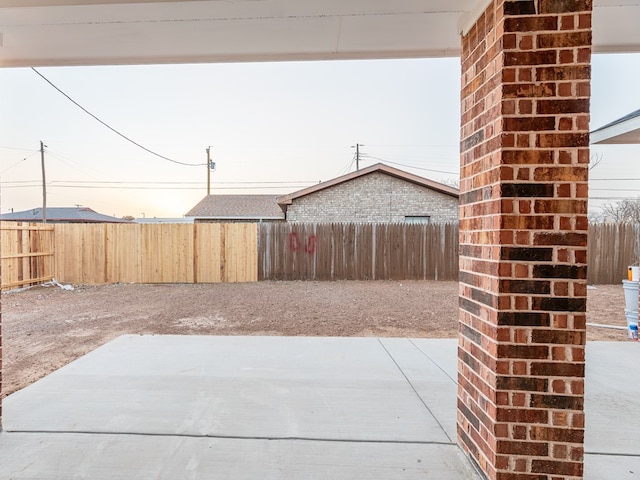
(27, 254)
(357, 251)
(611, 249)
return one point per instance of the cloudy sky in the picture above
(272, 128)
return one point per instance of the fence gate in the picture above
(26, 254)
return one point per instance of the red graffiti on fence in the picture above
(309, 244)
(294, 242)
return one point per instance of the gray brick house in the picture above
(375, 194)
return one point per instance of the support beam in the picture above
(523, 237)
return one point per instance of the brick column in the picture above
(523, 237)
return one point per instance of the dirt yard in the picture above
(45, 328)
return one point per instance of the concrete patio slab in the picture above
(431, 382)
(113, 457)
(275, 407)
(612, 398)
(253, 387)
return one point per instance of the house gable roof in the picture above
(62, 214)
(285, 200)
(238, 207)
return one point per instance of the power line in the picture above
(409, 166)
(18, 148)
(613, 179)
(52, 185)
(121, 187)
(612, 198)
(113, 129)
(19, 162)
(451, 145)
(70, 163)
(87, 182)
(346, 169)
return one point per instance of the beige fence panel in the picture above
(339, 251)
(80, 253)
(207, 255)
(612, 248)
(226, 252)
(26, 254)
(156, 253)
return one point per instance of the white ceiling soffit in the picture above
(102, 32)
(624, 131)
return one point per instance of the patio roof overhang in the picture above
(113, 32)
(623, 131)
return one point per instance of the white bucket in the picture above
(630, 294)
(634, 273)
(632, 324)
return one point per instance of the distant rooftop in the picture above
(237, 207)
(62, 215)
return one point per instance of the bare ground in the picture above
(45, 328)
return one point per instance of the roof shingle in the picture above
(254, 207)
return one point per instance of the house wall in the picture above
(376, 197)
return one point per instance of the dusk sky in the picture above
(272, 128)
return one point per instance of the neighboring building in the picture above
(237, 208)
(375, 194)
(61, 215)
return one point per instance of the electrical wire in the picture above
(19, 162)
(70, 163)
(614, 190)
(98, 187)
(161, 183)
(408, 166)
(113, 129)
(18, 148)
(613, 179)
(451, 145)
(58, 185)
(613, 198)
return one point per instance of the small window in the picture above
(417, 219)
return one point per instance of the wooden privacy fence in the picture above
(26, 256)
(209, 253)
(156, 253)
(612, 248)
(338, 251)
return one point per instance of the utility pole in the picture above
(357, 155)
(44, 185)
(208, 171)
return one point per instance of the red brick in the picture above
(563, 39)
(559, 435)
(523, 227)
(567, 22)
(566, 56)
(573, 469)
(531, 24)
